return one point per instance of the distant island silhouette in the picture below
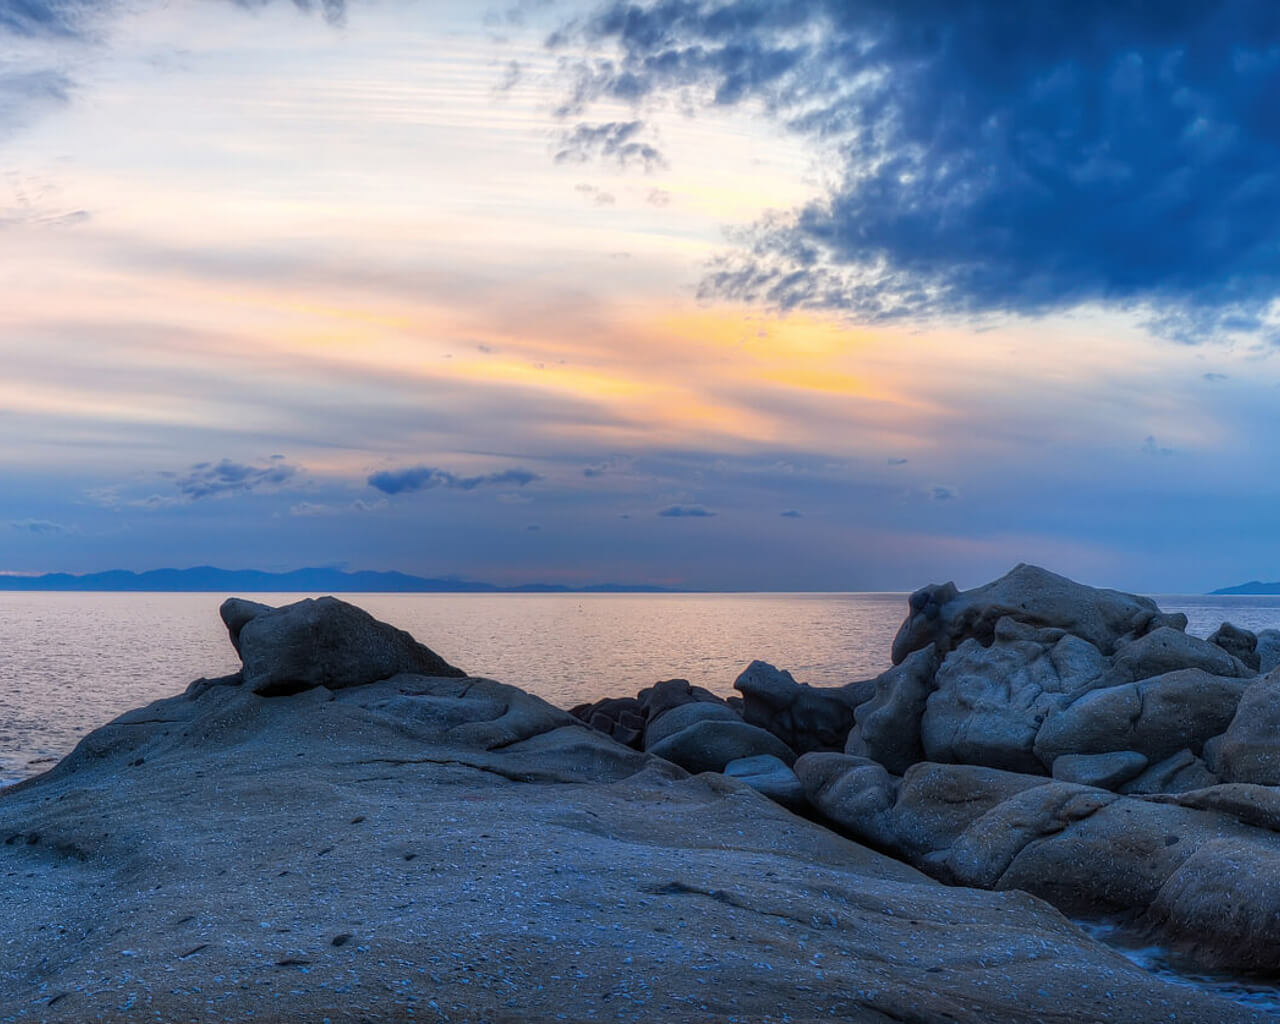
(208, 578)
(1251, 589)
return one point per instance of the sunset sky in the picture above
(706, 293)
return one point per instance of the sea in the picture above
(70, 662)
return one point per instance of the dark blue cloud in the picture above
(792, 513)
(993, 157)
(216, 479)
(686, 512)
(425, 478)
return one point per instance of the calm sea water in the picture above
(70, 662)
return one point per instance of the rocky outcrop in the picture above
(945, 616)
(804, 717)
(429, 846)
(1084, 849)
(322, 642)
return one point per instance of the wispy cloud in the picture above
(792, 513)
(426, 478)
(686, 512)
(39, 526)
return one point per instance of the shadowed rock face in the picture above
(433, 846)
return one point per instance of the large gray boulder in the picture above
(680, 717)
(1240, 643)
(1166, 650)
(1156, 717)
(1105, 771)
(887, 727)
(1250, 749)
(989, 702)
(804, 717)
(1178, 773)
(708, 745)
(769, 776)
(322, 642)
(947, 617)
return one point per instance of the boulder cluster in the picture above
(1033, 734)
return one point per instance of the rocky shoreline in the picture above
(351, 828)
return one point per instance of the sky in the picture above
(718, 294)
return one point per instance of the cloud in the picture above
(426, 478)
(686, 512)
(1215, 378)
(897, 461)
(597, 195)
(985, 162)
(42, 527)
(943, 492)
(1150, 446)
(309, 508)
(208, 480)
(212, 480)
(30, 91)
(616, 142)
(613, 464)
(792, 513)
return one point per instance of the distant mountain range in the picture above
(245, 581)
(1252, 589)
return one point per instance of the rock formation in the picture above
(351, 828)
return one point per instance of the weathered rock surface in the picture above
(621, 718)
(947, 617)
(1156, 717)
(1084, 849)
(1177, 773)
(887, 727)
(321, 642)
(708, 745)
(1268, 650)
(990, 702)
(770, 777)
(1250, 749)
(1105, 771)
(680, 717)
(1167, 650)
(444, 848)
(1240, 643)
(804, 717)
